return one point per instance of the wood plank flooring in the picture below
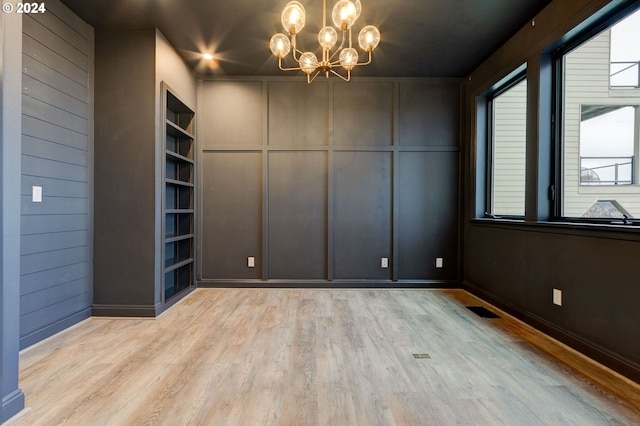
(317, 357)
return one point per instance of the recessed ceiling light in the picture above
(207, 56)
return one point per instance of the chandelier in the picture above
(344, 15)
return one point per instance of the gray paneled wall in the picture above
(232, 206)
(320, 182)
(55, 263)
(297, 215)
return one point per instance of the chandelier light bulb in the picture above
(293, 17)
(308, 62)
(369, 38)
(280, 45)
(348, 58)
(358, 6)
(344, 14)
(327, 37)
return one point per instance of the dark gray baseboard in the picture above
(279, 283)
(147, 311)
(30, 339)
(12, 404)
(596, 352)
(143, 311)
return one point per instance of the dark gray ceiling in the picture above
(422, 38)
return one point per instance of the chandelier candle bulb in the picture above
(369, 38)
(308, 62)
(293, 17)
(327, 37)
(280, 45)
(344, 14)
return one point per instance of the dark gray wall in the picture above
(130, 69)
(56, 249)
(238, 208)
(321, 181)
(297, 214)
(11, 397)
(518, 265)
(125, 167)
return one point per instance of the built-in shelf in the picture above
(178, 238)
(184, 211)
(179, 209)
(178, 263)
(179, 182)
(177, 131)
(179, 157)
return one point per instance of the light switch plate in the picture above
(384, 262)
(251, 262)
(36, 194)
(557, 297)
(439, 262)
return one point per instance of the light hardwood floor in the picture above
(317, 357)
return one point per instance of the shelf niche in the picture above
(178, 214)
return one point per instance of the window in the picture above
(625, 54)
(600, 125)
(507, 146)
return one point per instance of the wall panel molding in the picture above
(300, 121)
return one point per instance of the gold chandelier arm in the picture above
(310, 79)
(293, 54)
(294, 49)
(287, 69)
(364, 63)
(339, 48)
(347, 78)
(359, 64)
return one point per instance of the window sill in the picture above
(599, 230)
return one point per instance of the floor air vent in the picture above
(482, 311)
(421, 356)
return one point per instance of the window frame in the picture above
(514, 78)
(556, 192)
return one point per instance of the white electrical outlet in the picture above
(36, 194)
(251, 262)
(557, 297)
(439, 262)
(384, 262)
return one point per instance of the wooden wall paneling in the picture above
(362, 114)
(428, 215)
(56, 142)
(78, 56)
(297, 215)
(429, 113)
(38, 129)
(362, 214)
(300, 216)
(46, 279)
(235, 114)
(56, 97)
(298, 113)
(231, 214)
(33, 68)
(73, 299)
